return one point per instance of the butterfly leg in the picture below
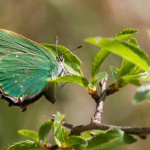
(23, 108)
(52, 74)
(62, 85)
(10, 104)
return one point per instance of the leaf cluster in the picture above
(135, 66)
(100, 141)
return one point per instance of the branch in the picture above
(142, 132)
(101, 99)
(96, 124)
(100, 102)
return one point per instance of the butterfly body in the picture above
(25, 67)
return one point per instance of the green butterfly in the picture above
(25, 67)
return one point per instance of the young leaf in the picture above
(109, 140)
(45, 129)
(89, 134)
(72, 62)
(127, 79)
(114, 73)
(73, 79)
(125, 50)
(135, 82)
(133, 41)
(145, 76)
(24, 145)
(148, 31)
(98, 60)
(60, 134)
(124, 80)
(59, 118)
(126, 33)
(77, 142)
(126, 68)
(94, 82)
(30, 134)
(143, 92)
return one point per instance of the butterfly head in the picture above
(60, 59)
(60, 62)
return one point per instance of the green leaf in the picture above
(126, 68)
(143, 92)
(144, 76)
(72, 62)
(141, 53)
(114, 73)
(59, 117)
(77, 142)
(109, 140)
(135, 82)
(73, 79)
(148, 31)
(45, 129)
(30, 134)
(133, 41)
(126, 33)
(103, 53)
(94, 82)
(98, 60)
(24, 145)
(123, 49)
(89, 134)
(60, 134)
(126, 79)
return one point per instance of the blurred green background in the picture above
(73, 21)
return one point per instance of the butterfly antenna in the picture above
(77, 48)
(56, 45)
(74, 49)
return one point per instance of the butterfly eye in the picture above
(62, 58)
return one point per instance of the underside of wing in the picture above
(23, 77)
(11, 42)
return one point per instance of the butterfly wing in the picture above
(24, 68)
(23, 77)
(11, 42)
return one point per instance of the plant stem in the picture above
(142, 132)
(100, 102)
